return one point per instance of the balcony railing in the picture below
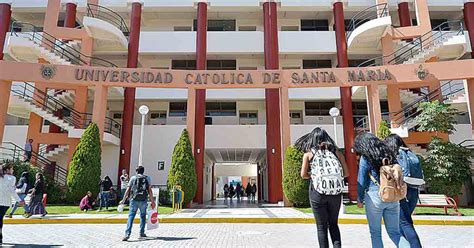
(108, 15)
(365, 15)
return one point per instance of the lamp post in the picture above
(143, 111)
(334, 112)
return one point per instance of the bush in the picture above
(446, 167)
(436, 117)
(183, 171)
(294, 187)
(383, 131)
(165, 197)
(85, 167)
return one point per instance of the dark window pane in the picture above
(221, 65)
(439, 24)
(183, 64)
(178, 108)
(314, 25)
(315, 64)
(318, 108)
(221, 109)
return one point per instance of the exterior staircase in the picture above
(59, 154)
(26, 50)
(434, 50)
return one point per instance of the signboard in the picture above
(161, 165)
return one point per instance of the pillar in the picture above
(469, 86)
(404, 14)
(70, 17)
(346, 99)
(129, 94)
(394, 104)
(373, 107)
(200, 101)
(469, 22)
(5, 16)
(272, 105)
(99, 109)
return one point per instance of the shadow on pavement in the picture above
(160, 238)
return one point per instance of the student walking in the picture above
(238, 191)
(373, 152)
(105, 185)
(36, 203)
(28, 150)
(139, 190)
(248, 191)
(7, 193)
(253, 191)
(413, 175)
(226, 191)
(124, 178)
(22, 190)
(326, 167)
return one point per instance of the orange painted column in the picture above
(5, 16)
(346, 99)
(394, 104)
(469, 21)
(129, 94)
(272, 105)
(99, 109)
(200, 101)
(373, 107)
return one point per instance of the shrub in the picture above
(383, 131)
(446, 167)
(85, 167)
(182, 171)
(436, 117)
(294, 187)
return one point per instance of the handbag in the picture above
(152, 220)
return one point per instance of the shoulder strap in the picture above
(373, 179)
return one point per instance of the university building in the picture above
(246, 78)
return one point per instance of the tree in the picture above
(85, 167)
(447, 167)
(294, 187)
(383, 130)
(182, 171)
(436, 117)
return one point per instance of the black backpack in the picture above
(140, 188)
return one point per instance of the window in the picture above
(248, 117)
(183, 64)
(183, 28)
(117, 115)
(440, 24)
(221, 65)
(158, 118)
(314, 25)
(221, 109)
(218, 25)
(247, 28)
(178, 109)
(316, 64)
(359, 108)
(296, 117)
(318, 108)
(289, 28)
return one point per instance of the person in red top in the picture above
(85, 203)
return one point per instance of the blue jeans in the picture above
(134, 207)
(375, 210)
(104, 200)
(407, 206)
(22, 197)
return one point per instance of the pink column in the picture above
(5, 16)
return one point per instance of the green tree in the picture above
(85, 167)
(383, 131)
(183, 171)
(294, 187)
(447, 167)
(436, 117)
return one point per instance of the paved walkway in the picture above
(220, 235)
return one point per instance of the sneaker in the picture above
(125, 238)
(142, 235)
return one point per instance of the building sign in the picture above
(161, 165)
(227, 78)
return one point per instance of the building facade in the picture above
(236, 129)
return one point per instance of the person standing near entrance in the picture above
(253, 191)
(105, 185)
(238, 191)
(28, 150)
(139, 190)
(248, 192)
(7, 193)
(411, 168)
(124, 178)
(326, 167)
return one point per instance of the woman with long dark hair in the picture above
(36, 203)
(22, 188)
(411, 167)
(7, 193)
(325, 165)
(372, 151)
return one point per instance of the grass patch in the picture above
(353, 209)
(57, 209)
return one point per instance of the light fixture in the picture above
(143, 110)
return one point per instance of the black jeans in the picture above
(3, 211)
(326, 213)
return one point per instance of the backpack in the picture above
(412, 171)
(326, 172)
(392, 188)
(140, 188)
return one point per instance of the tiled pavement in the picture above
(219, 235)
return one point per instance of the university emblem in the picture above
(421, 72)
(47, 71)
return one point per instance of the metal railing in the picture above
(108, 15)
(48, 103)
(57, 46)
(468, 143)
(12, 152)
(365, 15)
(416, 46)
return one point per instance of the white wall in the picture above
(248, 170)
